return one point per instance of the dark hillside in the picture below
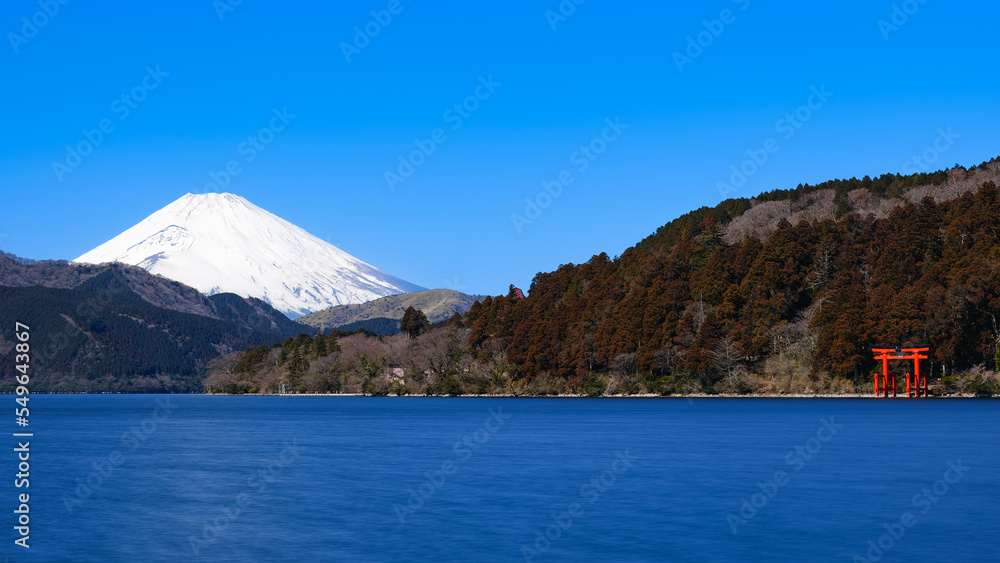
(103, 336)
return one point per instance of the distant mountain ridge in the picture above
(104, 338)
(222, 243)
(156, 290)
(118, 328)
(437, 304)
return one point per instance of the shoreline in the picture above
(636, 396)
(570, 396)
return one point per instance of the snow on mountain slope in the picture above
(220, 243)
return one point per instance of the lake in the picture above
(214, 478)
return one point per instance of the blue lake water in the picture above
(197, 478)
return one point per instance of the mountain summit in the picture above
(223, 243)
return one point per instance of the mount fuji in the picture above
(221, 243)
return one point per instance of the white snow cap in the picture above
(221, 243)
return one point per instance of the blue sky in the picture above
(532, 85)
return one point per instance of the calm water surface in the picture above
(196, 478)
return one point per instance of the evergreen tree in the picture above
(414, 322)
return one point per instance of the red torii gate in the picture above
(905, 354)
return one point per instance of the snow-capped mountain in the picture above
(223, 243)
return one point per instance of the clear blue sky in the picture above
(450, 222)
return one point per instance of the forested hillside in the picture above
(797, 310)
(778, 308)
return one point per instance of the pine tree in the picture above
(414, 322)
